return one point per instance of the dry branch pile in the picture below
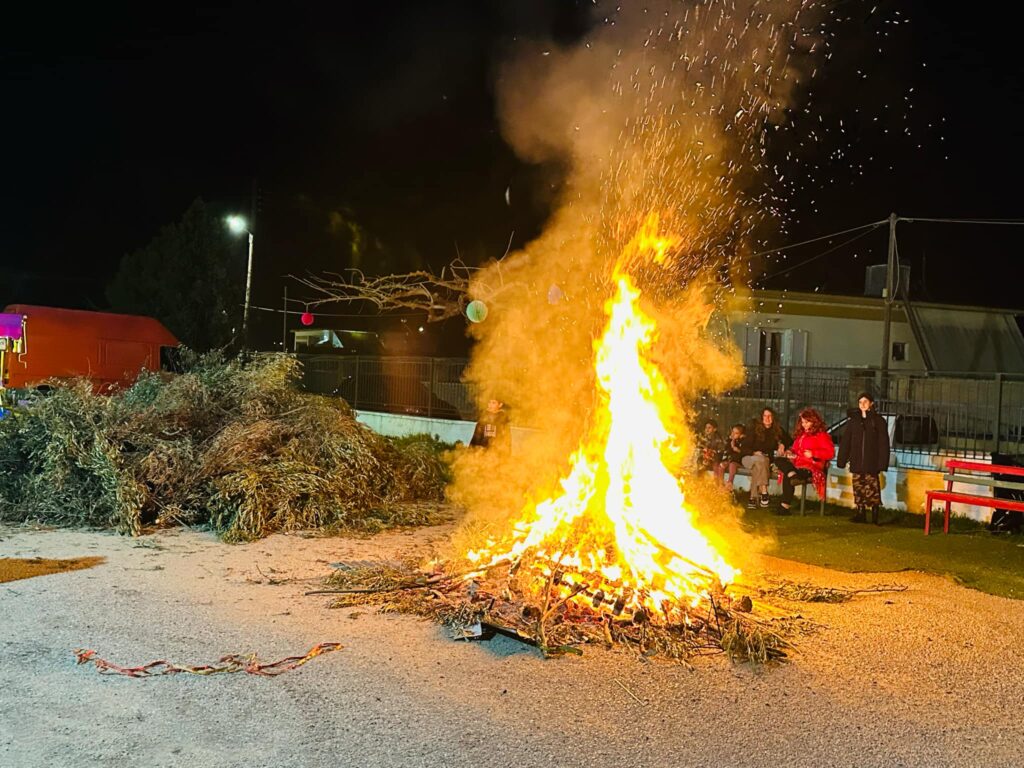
(234, 443)
(556, 623)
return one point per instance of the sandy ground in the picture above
(933, 676)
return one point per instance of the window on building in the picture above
(899, 351)
(781, 348)
(770, 352)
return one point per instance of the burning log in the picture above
(488, 606)
(619, 605)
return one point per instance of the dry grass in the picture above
(233, 443)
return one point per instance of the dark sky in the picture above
(116, 118)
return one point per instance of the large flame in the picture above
(618, 530)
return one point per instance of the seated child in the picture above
(732, 455)
(709, 446)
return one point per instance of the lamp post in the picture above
(238, 225)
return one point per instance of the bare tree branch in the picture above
(440, 297)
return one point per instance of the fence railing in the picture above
(949, 414)
(423, 386)
(965, 414)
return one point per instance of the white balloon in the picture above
(476, 311)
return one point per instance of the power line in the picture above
(279, 310)
(863, 230)
(789, 269)
(997, 222)
(870, 228)
(872, 225)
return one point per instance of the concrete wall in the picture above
(445, 430)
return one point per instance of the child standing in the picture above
(493, 429)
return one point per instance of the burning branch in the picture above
(556, 621)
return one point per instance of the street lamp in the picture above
(238, 225)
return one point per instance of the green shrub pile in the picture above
(232, 443)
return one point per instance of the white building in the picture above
(783, 328)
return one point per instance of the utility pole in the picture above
(284, 322)
(254, 203)
(890, 290)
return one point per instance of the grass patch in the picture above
(969, 555)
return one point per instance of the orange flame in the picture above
(620, 522)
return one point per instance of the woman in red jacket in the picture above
(805, 461)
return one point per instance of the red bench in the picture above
(955, 473)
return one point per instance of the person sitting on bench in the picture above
(731, 457)
(764, 439)
(709, 446)
(806, 460)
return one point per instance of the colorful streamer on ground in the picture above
(236, 662)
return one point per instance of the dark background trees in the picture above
(191, 277)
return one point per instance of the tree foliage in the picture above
(191, 277)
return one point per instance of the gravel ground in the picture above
(928, 677)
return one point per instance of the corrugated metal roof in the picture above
(965, 340)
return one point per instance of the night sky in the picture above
(115, 119)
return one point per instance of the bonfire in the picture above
(663, 110)
(613, 554)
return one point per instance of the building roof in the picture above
(958, 340)
(833, 305)
(107, 325)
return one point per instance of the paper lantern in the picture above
(476, 311)
(307, 318)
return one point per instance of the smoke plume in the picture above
(660, 117)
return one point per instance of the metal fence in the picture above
(936, 414)
(947, 414)
(423, 386)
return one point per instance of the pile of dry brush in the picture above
(501, 602)
(232, 443)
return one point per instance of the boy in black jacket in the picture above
(493, 429)
(865, 447)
